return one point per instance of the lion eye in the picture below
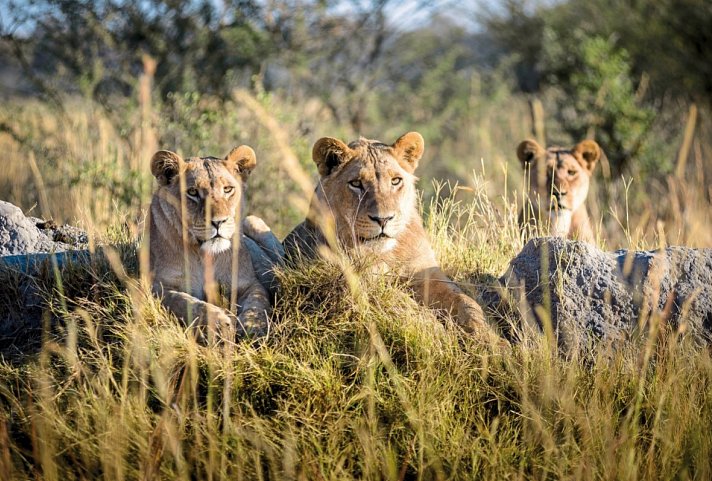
(357, 184)
(572, 172)
(193, 192)
(228, 189)
(396, 181)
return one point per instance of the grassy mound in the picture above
(354, 381)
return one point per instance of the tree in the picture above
(95, 47)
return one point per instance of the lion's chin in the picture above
(216, 245)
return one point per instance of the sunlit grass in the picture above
(355, 379)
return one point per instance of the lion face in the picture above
(369, 188)
(212, 194)
(560, 176)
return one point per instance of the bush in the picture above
(597, 97)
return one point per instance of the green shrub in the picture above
(597, 97)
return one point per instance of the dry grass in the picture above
(355, 380)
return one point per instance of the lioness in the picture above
(368, 189)
(560, 179)
(191, 260)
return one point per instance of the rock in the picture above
(265, 250)
(18, 234)
(594, 295)
(66, 234)
(21, 235)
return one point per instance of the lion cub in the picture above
(367, 189)
(196, 245)
(560, 179)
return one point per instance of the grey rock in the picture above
(265, 250)
(587, 295)
(263, 264)
(21, 235)
(65, 234)
(18, 234)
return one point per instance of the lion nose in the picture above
(218, 222)
(381, 220)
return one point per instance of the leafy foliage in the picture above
(96, 47)
(598, 98)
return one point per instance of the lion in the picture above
(560, 178)
(196, 244)
(367, 189)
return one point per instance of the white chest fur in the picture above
(560, 222)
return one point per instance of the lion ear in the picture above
(329, 153)
(241, 159)
(165, 166)
(528, 151)
(587, 153)
(409, 149)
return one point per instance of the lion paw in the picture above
(471, 318)
(221, 321)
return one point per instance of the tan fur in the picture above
(558, 187)
(367, 189)
(192, 261)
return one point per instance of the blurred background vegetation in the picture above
(355, 380)
(91, 88)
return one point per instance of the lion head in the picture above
(209, 189)
(368, 187)
(559, 174)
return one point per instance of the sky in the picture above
(405, 14)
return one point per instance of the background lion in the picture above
(558, 187)
(367, 190)
(191, 261)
